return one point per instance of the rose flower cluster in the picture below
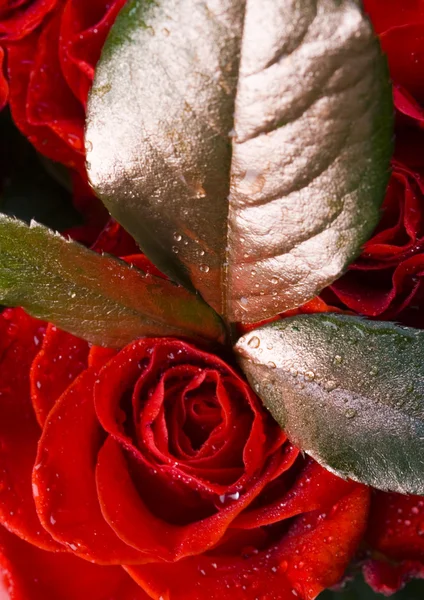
(154, 472)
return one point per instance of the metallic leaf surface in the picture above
(93, 296)
(349, 392)
(244, 144)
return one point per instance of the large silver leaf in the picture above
(244, 144)
(348, 392)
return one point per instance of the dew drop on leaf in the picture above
(254, 342)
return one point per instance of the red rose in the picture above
(396, 536)
(386, 281)
(161, 459)
(50, 73)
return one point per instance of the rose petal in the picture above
(311, 557)
(392, 13)
(361, 292)
(4, 86)
(64, 476)
(386, 578)
(314, 489)
(128, 515)
(20, 336)
(84, 28)
(61, 359)
(17, 23)
(396, 526)
(42, 106)
(28, 573)
(406, 66)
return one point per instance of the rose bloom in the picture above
(154, 472)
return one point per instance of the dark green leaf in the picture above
(99, 298)
(349, 392)
(245, 144)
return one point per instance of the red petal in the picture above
(4, 86)
(19, 431)
(64, 477)
(392, 13)
(128, 515)
(361, 292)
(406, 66)
(306, 560)
(83, 32)
(42, 105)
(314, 489)
(406, 104)
(28, 573)
(396, 527)
(61, 359)
(386, 578)
(16, 23)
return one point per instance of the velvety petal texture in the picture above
(159, 465)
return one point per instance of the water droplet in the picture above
(175, 249)
(204, 268)
(330, 385)
(88, 146)
(310, 375)
(338, 359)
(274, 280)
(293, 372)
(253, 272)
(254, 342)
(374, 371)
(272, 365)
(284, 566)
(178, 237)
(350, 413)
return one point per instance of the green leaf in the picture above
(98, 298)
(245, 144)
(349, 392)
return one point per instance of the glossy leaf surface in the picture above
(243, 143)
(349, 392)
(98, 298)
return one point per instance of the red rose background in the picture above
(107, 459)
